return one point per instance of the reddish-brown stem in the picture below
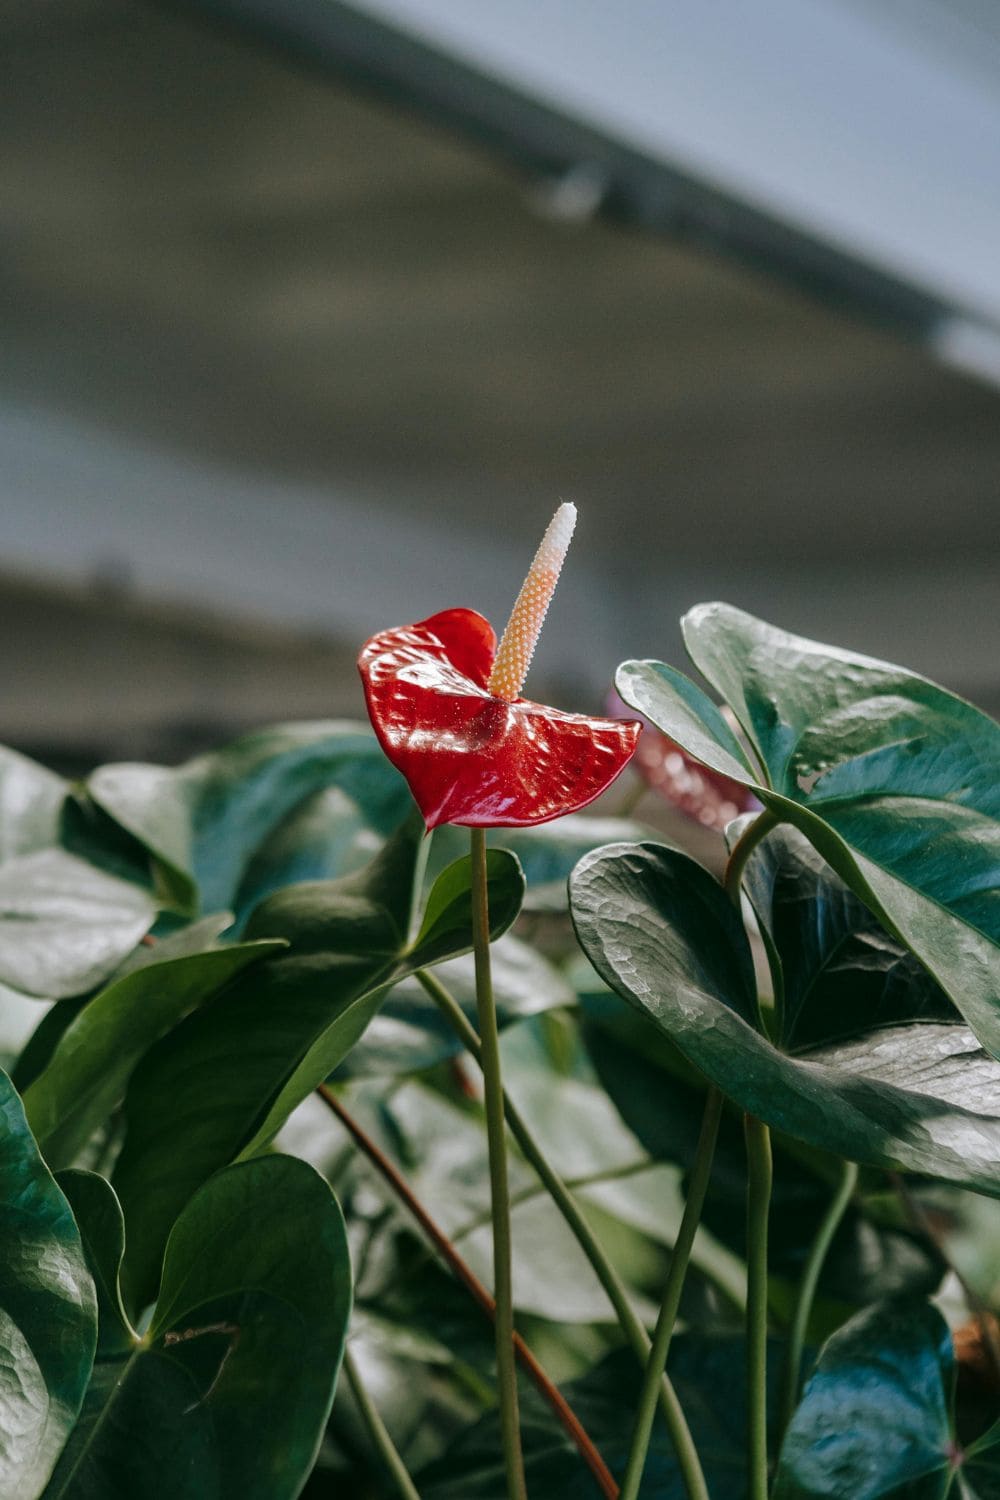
(464, 1273)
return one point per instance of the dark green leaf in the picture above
(257, 1050)
(891, 778)
(979, 1476)
(48, 1323)
(229, 1391)
(99, 1219)
(91, 1063)
(205, 820)
(446, 928)
(327, 835)
(445, 932)
(657, 1096)
(65, 924)
(42, 1043)
(707, 1373)
(661, 933)
(841, 971)
(874, 1419)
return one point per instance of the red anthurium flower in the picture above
(445, 705)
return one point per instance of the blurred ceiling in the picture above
(280, 290)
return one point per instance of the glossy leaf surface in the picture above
(663, 935)
(468, 756)
(890, 777)
(841, 972)
(99, 1219)
(251, 1319)
(91, 1063)
(65, 924)
(258, 1049)
(48, 1311)
(874, 1254)
(874, 1419)
(205, 820)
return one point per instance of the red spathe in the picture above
(472, 758)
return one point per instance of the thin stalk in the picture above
(614, 1287)
(807, 1289)
(655, 1365)
(758, 1144)
(743, 848)
(464, 1274)
(378, 1432)
(499, 1192)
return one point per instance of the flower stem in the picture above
(807, 1289)
(758, 1145)
(628, 1319)
(656, 1363)
(378, 1432)
(464, 1274)
(499, 1192)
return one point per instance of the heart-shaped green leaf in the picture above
(892, 779)
(661, 932)
(205, 820)
(251, 1319)
(65, 924)
(874, 1421)
(873, 1255)
(260, 1048)
(840, 971)
(91, 1063)
(48, 1311)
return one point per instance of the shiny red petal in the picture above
(471, 758)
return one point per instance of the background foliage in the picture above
(191, 1234)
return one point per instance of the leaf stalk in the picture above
(759, 1172)
(378, 1432)
(614, 1287)
(701, 1173)
(791, 1378)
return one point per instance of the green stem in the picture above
(758, 1144)
(614, 1287)
(807, 1289)
(499, 1192)
(656, 1363)
(377, 1431)
(744, 847)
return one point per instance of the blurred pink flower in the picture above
(703, 795)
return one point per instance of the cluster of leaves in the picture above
(190, 1237)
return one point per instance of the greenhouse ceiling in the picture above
(302, 293)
